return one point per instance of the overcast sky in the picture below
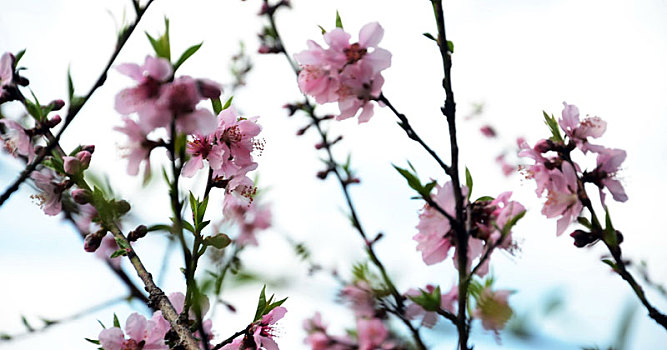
(515, 57)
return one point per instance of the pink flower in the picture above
(262, 333)
(430, 318)
(16, 141)
(578, 130)
(562, 197)
(493, 309)
(144, 334)
(179, 100)
(107, 247)
(248, 216)
(138, 147)
(141, 99)
(609, 161)
(371, 334)
(228, 149)
(177, 299)
(349, 74)
(51, 191)
(361, 298)
(435, 236)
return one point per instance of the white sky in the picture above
(517, 57)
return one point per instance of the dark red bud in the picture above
(56, 105)
(93, 241)
(81, 196)
(138, 232)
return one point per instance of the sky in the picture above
(517, 58)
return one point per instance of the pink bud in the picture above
(209, 88)
(56, 105)
(84, 158)
(89, 148)
(92, 242)
(81, 196)
(54, 121)
(72, 165)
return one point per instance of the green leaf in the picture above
(18, 57)
(27, 324)
(70, 85)
(96, 342)
(272, 306)
(261, 305)
(484, 199)
(117, 253)
(33, 110)
(122, 243)
(116, 323)
(228, 103)
(413, 181)
(428, 188)
(217, 105)
(324, 31)
(219, 241)
(428, 301)
(339, 22)
(610, 263)
(430, 36)
(584, 221)
(102, 324)
(468, 182)
(553, 127)
(161, 45)
(193, 205)
(609, 233)
(201, 210)
(509, 224)
(186, 54)
(450, 46)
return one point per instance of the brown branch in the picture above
(158, 299)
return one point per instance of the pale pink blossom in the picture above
(106, 248)
(16, 140)
(609, 161)
(262, 331)
(349, 74)
(143, 334)
(579, 130)
(179, 100)
(51, 190)
(249, 217)
(177, 300)
(6, 75)
(562, 197)
(493, 309)
(372, 334)
(361, 298)
(138, 147)
(435, 236)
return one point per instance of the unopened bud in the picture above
(72, 165)
(264, 49)
(138, 232)
(81, 196)
(53, 121)
(93, 241)
(209, 88)
(303, 130)
(323, 174)
(542, 146)
(583, 238)
(320, 145)
(122, 206)
(84, 158)
(487, 131)
(89, 148)
(56, 105)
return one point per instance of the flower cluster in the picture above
(555, 171)
(249, 217)
(349, 74)
(148, 334)
(159, 99)
(492, 220)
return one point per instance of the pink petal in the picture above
(371, 34)
(112, 338)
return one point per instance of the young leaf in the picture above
(324, 31)
(117, 253)
(18, 57)
(553, 127)
(96, 342)
(27, 324)
(468, 182)
(228, 103)
(339, 22)
(413, 181)
(261, 305)
(70, 85)
(122, 243)
(186, 54)
(116, 323)
(217, 105)
(430, 36)
(450, 46)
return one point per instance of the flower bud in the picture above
(53, 121)
(89, 148)
(72, 165)
(583, 238)
(542, 146)
(81, 196)
(122, 206)
(84, 158)
(93, 241)
(56, 105)
(209, 88)
(138, 232)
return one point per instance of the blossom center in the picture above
(354, 53)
